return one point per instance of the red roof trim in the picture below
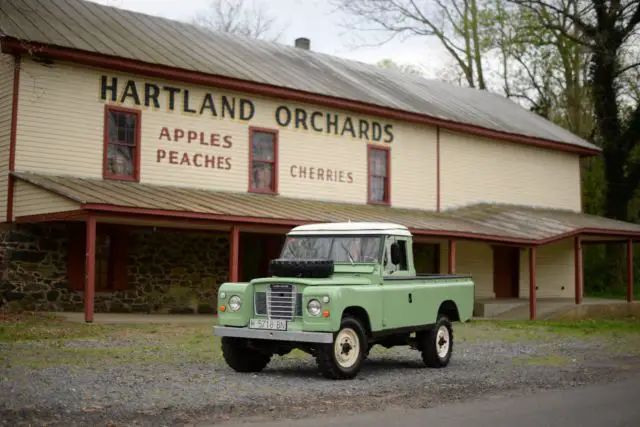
(11, 45)
(53, 216)
(129, 211)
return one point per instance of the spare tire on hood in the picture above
(307, 268)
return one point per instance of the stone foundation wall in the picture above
(33, 266)
(167, 271)
(178, 271)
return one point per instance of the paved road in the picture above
(611, 405)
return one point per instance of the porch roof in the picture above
(500, 223)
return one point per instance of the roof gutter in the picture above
(14, 46)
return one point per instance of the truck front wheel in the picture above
(436, 344)
(242, 358)
(343, 359)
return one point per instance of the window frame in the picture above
(274, 182)
(387, 186)
(137, 138)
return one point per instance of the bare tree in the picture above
(405, 68)
(238, 17)
(455, 23)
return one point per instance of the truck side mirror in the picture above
(395, 253)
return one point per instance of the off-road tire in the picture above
(329, 366)
(431, 341)
(308, 268)
(241, 358)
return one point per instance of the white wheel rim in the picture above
(442, 341)
(346, 348)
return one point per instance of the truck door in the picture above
(396, 287)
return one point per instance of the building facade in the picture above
(129, 185)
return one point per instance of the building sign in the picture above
(313, 173)
(196, 140)
(172, 98)
(333, 123)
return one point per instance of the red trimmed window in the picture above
(111, 268)
(263, 160)
(379, 169)
(121, 144)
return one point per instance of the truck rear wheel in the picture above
(242, 358)
(436, 344)
(343, 359)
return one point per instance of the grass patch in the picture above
(580, 328)
(44, 340)
(511, 331)
(40, 341)
(619, 294)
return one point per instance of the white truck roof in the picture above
(360, 228)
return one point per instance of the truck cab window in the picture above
(403, 255)
(389, 267)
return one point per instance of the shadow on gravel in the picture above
(369, 368)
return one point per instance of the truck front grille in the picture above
(280, 301)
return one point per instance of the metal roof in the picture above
(91, 27)
(483, 221)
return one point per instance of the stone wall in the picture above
(33, 268)
(178, 271)
(167, 271)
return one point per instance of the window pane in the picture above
(263, 144)
(262, 176)
(378, 189)
(120, 160)
(378, 162)
(122, 127)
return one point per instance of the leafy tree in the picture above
(609, 31)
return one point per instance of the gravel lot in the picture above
(157, 378)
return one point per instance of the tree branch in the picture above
(627, 68)
(590, 30)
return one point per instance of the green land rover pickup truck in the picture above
(337, 290)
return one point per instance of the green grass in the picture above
(545, 330)
(44, 340)
(620, 294)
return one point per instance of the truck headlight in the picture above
(234, 303)
(314, 307)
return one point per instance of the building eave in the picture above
(18, 47)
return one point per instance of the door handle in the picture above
(410, 298)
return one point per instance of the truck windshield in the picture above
(336, 248)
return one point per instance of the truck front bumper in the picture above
(265, 334)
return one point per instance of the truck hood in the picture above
(335, 280)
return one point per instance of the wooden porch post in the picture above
(630, 270)
(234, 253)
(90, 269)
(579, 273)
(452, 257)
(532, 283)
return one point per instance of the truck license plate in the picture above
(271, 324)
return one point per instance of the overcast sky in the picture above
(314, 19)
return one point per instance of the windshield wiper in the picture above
(347, 251)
